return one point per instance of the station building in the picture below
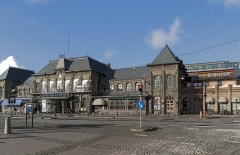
(9, 80)
(85, 85)
(216, 85)
(69, 84)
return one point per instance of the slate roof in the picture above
(29, 81)
(76, 64)
(131, 73)
(16, 74)
(62, 62)
(166, 56)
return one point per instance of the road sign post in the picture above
(29, 110)
(140, 107)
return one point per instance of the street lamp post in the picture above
(12, 98)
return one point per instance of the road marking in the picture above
(141, 135)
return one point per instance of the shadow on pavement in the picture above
(71, 126)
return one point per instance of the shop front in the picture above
(60, 102)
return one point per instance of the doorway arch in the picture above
(197, 105)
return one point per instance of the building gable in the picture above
(166, 56)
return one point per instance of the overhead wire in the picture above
(215, 46)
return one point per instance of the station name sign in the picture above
(59, 94)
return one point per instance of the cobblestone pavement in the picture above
(99, 135)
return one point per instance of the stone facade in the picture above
(72, 85)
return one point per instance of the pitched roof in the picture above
(29, 81)
(131, 73)
(76, 64)
(16, 74)
(61, 64)
(166, 56)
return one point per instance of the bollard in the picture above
(117, 113)
(200, 115)
(8, 127)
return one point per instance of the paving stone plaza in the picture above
(188, 135)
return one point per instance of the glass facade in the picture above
(212, 66)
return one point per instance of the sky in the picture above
(124, 33)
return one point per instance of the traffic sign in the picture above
(30, 108)
(140, 105)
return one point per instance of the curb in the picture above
(146, 128)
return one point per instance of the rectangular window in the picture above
(236, 65)
(1, 91)
(186, 84)
(227, 73)
(210, 106)
(238, 82)
(216, 66)
(222, 66)
(223, 106)
(209, 75)
(189, 68)
(207, 83)
(215, 74)
(219, 83)
(197, 84)
(208, 67)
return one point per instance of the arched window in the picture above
(170, 81)
(111, 86)
(119, 87)
(147, 87)
(157, 83)
(129, 87)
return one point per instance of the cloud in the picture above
(32, 2)
(10, 61)
(159, 37)
(108, 55)
(228, 3)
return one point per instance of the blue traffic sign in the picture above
(140, 105)
(30, 108)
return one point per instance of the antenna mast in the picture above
(68, 45)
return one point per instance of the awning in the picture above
(57, 95)
(99, 101)
(210, 100)
(17, 103)
(234, 99)
(223, 100)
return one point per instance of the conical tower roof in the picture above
(166, 56)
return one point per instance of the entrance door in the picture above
(170, 104)
(186, 106)
(197, 106)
